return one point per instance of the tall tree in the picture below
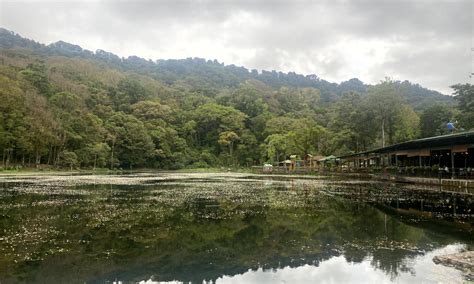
(407, 125)
(228, 138)
(386, 101)
(353, 124)
(464, 95)
(277, 147)
(433, 120)
(213, 119)
(132, 144)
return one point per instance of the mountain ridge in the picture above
(66, 107)
(217, 74)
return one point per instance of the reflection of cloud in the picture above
(424, 41)
(337, 270)
(334, 270)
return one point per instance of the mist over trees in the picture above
(67, 107)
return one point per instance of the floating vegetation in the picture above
(194, 226)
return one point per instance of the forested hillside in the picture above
(68, 107)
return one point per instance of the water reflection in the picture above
(339, 270)
(212, 229)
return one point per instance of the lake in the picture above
(219, 227)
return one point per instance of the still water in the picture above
(222, 228)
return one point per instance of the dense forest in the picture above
(63, 106)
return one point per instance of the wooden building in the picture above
(312, 162)
(453, 154)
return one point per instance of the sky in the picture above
(429, 42)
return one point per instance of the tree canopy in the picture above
(65, 107)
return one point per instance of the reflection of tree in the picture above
(392, 262)
(132, 234)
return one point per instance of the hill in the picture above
(215, 75)
(65, 106)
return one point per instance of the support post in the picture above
(452, 164)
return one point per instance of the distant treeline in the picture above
(68, 107)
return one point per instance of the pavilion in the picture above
(453, 153)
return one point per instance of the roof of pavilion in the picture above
(433, 143)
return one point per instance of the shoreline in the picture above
(466, 184)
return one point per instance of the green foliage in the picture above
(213, 119)
(12, 112)
(37, 76)
(248, 99)
(277, 147)
(433, 120)
(464, 95)
(248, 152)
(128, 91)
(354, 124)
(228, 138)
(386, 102)
(407, 125)
(133, 144)
(69, 159)
(95, 110)
(282, 125)
(309, 139)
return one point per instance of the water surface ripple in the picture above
(221, 227)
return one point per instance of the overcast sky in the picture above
(424, 41)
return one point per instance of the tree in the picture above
(248, 151)
(228, 138)
(36, 75)
(69, 159)
(128, 91)
(98, 153)
(95, 110)
(42, 128)
(212, 119)
(277, 147)
(342, 142)
(353, 124)
(386, 101)
(407, 125)
(308, 139)
(433, 120)
(248, 99)
(290, 100)
(132, 143)
(12, 112)
(151, 110)
(464, 95)
(282, 125)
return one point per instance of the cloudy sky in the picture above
(424, 41)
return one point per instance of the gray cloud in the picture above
(425, 41)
